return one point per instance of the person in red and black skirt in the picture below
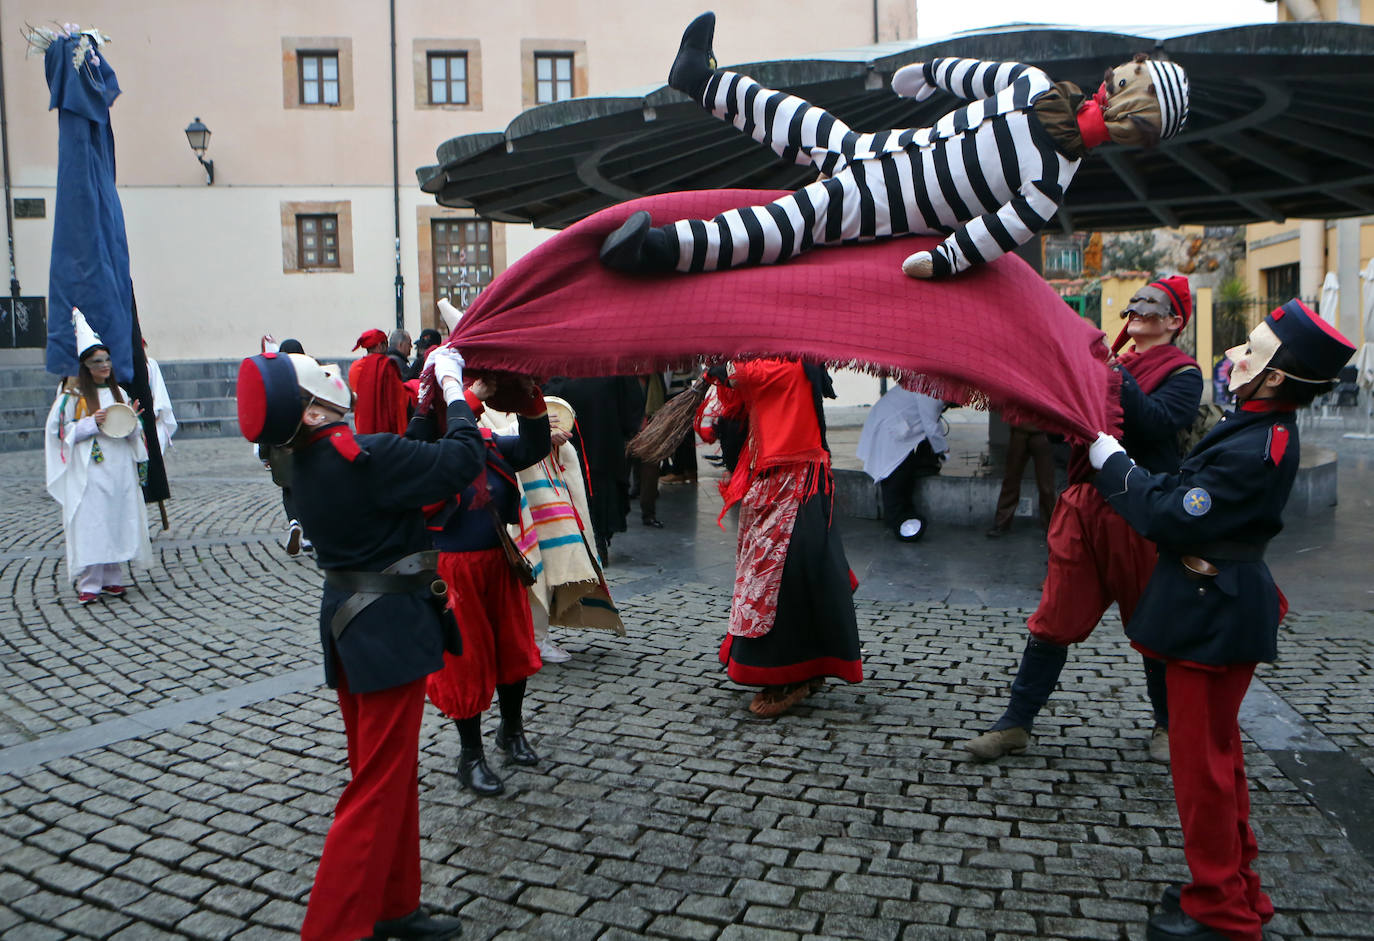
(486, 596)
(792, 616)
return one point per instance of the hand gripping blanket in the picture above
(997, 336)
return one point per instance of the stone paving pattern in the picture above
(662, 808)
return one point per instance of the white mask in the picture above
(1249, 359)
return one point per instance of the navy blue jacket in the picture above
(359, 501)
(1223, 505)
(468, 529)
(1150, 423)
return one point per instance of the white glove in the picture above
(910, 82)
(448, 371)
(1102, 449)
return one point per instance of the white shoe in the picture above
(911, 529)
(550, 652)
(294, 536)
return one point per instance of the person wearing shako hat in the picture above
(382, 627)
(478, 561)
(1095, 557)
(381, 402)
(93, 445)
(1211, 609)
(988, 176)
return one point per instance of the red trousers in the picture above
(1213, 796)
(493, 613)
(1095, 558)
(370, 868)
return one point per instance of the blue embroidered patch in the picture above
(1197, 502)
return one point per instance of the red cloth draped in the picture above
(997, 335)
(379, 395)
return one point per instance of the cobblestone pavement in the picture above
(168, 764)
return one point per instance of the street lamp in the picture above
(198, 136)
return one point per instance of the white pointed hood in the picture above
(85, 336)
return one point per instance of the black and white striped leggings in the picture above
(864, 175)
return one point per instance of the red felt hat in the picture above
(1180, 297)
(369, 339)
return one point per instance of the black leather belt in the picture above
(1228, 551)
(411, 573)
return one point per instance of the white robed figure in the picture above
(92, 471)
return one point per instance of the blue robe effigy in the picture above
(89, 267)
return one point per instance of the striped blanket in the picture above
(555, 535)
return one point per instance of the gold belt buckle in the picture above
(438, 588)
(1200, 567)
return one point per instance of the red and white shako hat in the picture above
(274, 390)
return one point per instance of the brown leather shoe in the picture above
(993, 745)
(773, 701)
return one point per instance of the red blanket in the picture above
(998, 335)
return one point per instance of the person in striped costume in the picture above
(987, 176)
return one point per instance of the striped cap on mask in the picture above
(1171, 86)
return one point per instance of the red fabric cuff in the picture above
(1091, 124)
(474, 403)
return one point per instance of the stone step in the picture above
(22, 377)
(14, 419)
(202, 394)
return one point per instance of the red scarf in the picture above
(1156, 364)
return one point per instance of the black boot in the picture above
(419, 924)
(510, 734)
(638, 246)
(516, 746)
(1171, 899)
(475, 775)
(695, 61)
(1041, 664)
(1168, 926)
(1158, 689)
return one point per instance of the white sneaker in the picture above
(550, 652)
(294, 535)
(910, 529)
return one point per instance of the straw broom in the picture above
(669, 426)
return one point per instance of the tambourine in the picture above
(120, 420)
(561, 414)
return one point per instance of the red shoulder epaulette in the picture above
(343, 442)
(1278, 444)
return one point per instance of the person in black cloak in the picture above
(609, 412)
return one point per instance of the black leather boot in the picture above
(1176, 926)
(695, 61)
(419, 925)
(475, 775)
(638, 246)
(516, 746)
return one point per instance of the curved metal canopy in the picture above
(1281, 125)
